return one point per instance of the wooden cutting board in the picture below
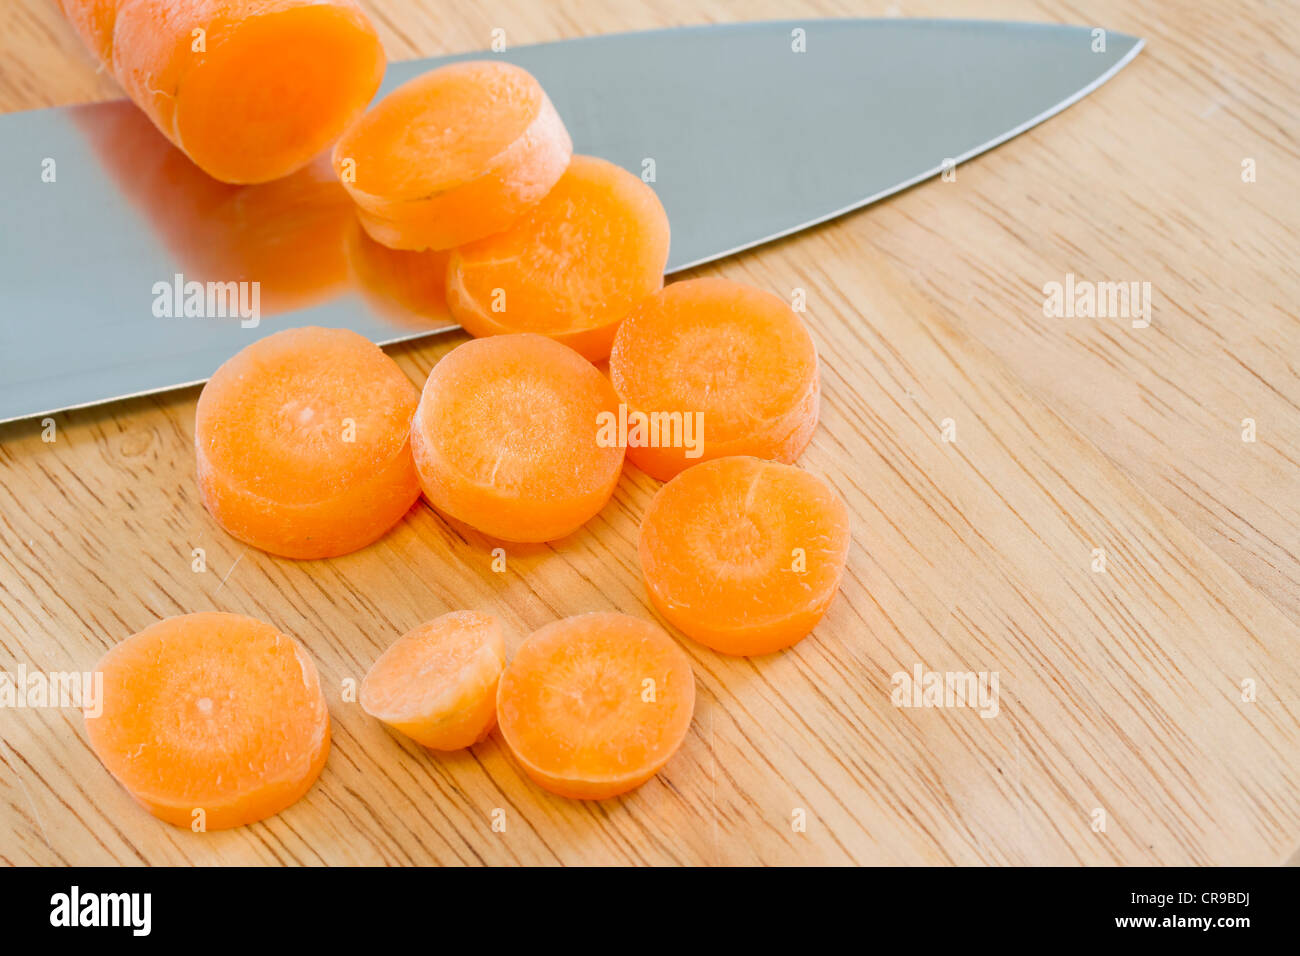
(1124, 735)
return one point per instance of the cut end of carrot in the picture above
(454, 155)
(595, 705)
(303, 443)
(438, 683)
(211, 720)
(276, 89)
(249, 91)
(733, 360)
(744, 555)
(506, 438)
(572, 267)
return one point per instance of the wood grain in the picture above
(1120, 691)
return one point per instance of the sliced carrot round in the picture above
(251, 90)
(735, 359)
(211, 712)
(438, 683)
(571, 267)
(595, 705)
(744, 555)
(303, 443)
(453, 155)
(506, 438)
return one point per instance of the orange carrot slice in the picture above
(438, 683)
(595, 705)
(505, 438)
(303, 443)
(733, 360)
(571, 267)
(453, 155)
(744, 555)
(251, 90)
(212, 712)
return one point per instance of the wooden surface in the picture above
(1120, 691)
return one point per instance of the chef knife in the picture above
(748, 132)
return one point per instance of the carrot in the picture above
(211, 712)
(595, 705)
(453, 155)
(716, 358)
(438, 683)
(93, 20)
(744, 555)
(505, 438)
(302, 441)
(571, 267)
(250, 89)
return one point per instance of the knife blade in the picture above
(748, 132)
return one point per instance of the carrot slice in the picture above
(251, 90)
(438, 683)
(505, 438)
(744, 555)
(571, 267)
(595, 705)
(212, 712)
(453, 155)
(735, 359)
(303, 443)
